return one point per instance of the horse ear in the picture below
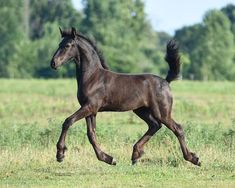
(74, 32)
(61, 32)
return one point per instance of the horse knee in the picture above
(180, 134)
(67, 123)
(179, 131)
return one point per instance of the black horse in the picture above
(100, 89)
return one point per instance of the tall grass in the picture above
(32, 111)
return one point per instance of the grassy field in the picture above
(32, 111)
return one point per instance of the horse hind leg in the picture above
(161, 110)
(179, 133)
(154, 126)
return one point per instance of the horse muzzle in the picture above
(53, 64)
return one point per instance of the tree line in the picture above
(30, 35)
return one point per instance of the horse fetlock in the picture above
(195, 159)
(60, 156)
(136, 148)
(137, 153)
(60, 152)
(60, 146)
(106, 158)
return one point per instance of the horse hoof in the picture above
(134, 162)
(195, 159)
(60, 158)
(114, 162)
(199, 163)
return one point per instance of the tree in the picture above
(209, 47)
(229, 11)
(163, 39)
(188, 38)
(11, 32)
(33, 52)
(216, 49)
(32, 58)
(60, 11)
(122, 32)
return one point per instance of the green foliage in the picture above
(217, 44)
(122, 32)
(30, 55)
(43, 12)
(29, 36)
(28, 62)
(229, 11)
(210, 47)
(11, 32)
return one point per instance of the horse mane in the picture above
(91, 42)
(99, 53)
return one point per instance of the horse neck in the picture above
(78, 72)
(89, 60)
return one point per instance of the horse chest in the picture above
(82, 98)
(85, 94)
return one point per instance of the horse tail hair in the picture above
(173, 59)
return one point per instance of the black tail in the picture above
(173, 59)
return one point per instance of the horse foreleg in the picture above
(91, 126)
(81, 113)
(154, 126)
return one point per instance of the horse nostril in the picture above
(53, 64)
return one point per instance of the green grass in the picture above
(32, 111)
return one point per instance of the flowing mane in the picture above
(91, 42)
(99, 53)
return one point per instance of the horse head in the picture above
(67, 50)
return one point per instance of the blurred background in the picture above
(131, 33)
